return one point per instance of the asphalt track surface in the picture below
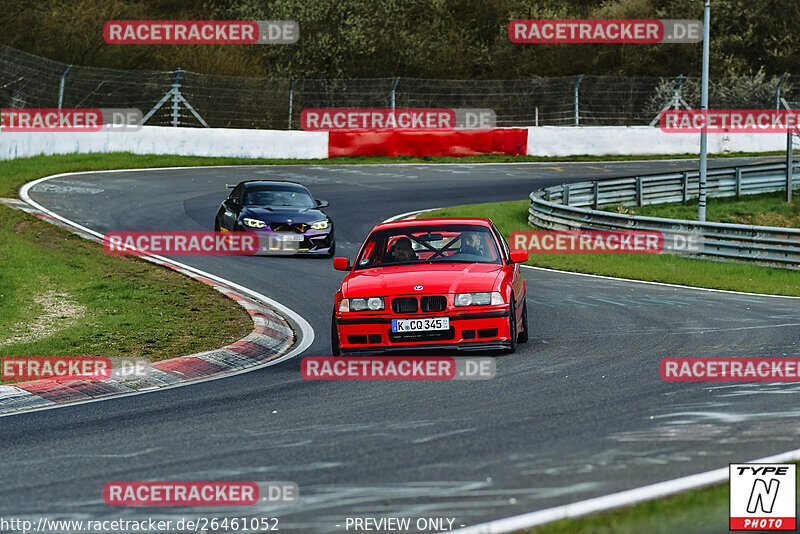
(579, 411)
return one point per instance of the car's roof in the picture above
(434, 222)
(267, 183)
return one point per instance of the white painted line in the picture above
(407, 215)
(615, 500)
(306, 331)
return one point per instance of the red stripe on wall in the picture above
(512, 141)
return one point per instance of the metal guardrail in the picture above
(574, 206)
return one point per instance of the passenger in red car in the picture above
(471, 244)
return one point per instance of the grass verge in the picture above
(703, 510)
(769, 209)
(510, 216)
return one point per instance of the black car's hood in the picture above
(281, 214)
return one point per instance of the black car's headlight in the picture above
(320, 225)
(478, 299)
(361, 304)
(254, 223)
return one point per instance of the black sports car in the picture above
(285, 216)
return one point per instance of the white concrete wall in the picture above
(542, 141)
(607, 140)
(164, 140)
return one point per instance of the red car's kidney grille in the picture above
(436, 303)
(404, 305)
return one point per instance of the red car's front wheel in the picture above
(512, 326)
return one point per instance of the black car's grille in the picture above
(298, 228)
(435, 303)
(404, 305)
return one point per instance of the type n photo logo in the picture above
(763, 496)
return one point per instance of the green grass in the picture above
(510, 216)
(124, 306)
(769, 209)
(703, 510)
(13, 173)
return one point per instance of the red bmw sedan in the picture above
(431, 284)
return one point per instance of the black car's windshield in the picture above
(428, 244)
(277, 196)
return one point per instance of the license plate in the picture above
(420, 325)
(290, 237)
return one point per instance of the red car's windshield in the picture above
(426, 244)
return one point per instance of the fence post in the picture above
(61, 86)
(565, 195)
(291, 100)
(685, 185)
(738, 182)
(789, 169)
(394, 88)
(577, 113)
(778, 92)
(176, 85)
(596, 195)
(547, 194)
(638, 191)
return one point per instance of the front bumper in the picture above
(485, 329)
(314, 242)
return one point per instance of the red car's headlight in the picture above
(478, 299)
(362, 304)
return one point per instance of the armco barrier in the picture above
(511, 141)
(574, 206)
(539, 141)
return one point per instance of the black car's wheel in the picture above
(522, 337)
(216, 225)
(512, 327)
(331, 251)
(335, 350)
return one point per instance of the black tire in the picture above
(335, 350)
(522, 337)
(216, 225)
(512, 325)
(332, 250)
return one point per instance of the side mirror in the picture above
(341, 264)
(519, 256)
(322, 203)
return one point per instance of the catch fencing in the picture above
(181, 98)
